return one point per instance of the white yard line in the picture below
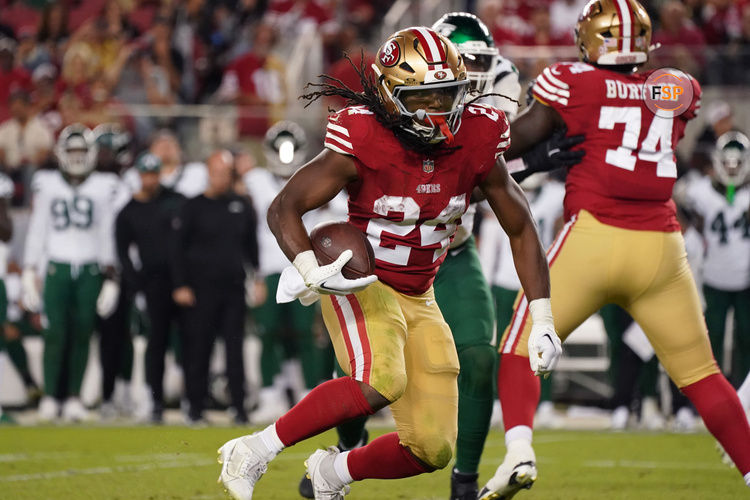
(653, 464)
(42, 476)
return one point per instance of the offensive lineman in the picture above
(622, 242)
(70, 242)
(409, 173)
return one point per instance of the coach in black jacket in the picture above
(215, 239)
(146, 224)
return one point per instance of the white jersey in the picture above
(506, 83)
(263, 186)
(726, 230)
(6, 193)
(189, 180)
(494, 245)
(71, 224)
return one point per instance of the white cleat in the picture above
(651, 416)
(685, 420)
(325, 482)
(49, 409)
(547, 417)
(517, 472)
(73, 411)
(243, 462)
(619, 420)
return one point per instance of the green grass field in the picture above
(150, 463)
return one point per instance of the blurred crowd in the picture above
(98, 62)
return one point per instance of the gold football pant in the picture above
(644, 272)
(402, 347)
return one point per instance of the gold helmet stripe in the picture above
(626, 26)
(433, 49)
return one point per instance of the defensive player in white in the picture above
(721, 201)
(6, 230)
(68, 254)
(286, 330)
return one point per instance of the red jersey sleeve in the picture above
(488, 134)
(695, 105)
(346, 131)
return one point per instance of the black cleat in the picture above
(464, 486)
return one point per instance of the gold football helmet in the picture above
(421, 75)
(613, 32)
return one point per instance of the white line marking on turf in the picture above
(41, 476)
(652, 464)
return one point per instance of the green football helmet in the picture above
(114, 144)
(475, 44)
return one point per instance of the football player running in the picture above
(71, 235)
(622, 242)
(470, 314)
(409, 153)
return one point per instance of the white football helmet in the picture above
(76, 150)
(285, 148)
(731, 159)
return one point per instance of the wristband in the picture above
(541, 312)
(305, 262)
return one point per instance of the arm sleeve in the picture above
(178, 245)
(107, 233)
(36, 235)
(123, 240)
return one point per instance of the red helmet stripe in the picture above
(625, 44)
(433, 47)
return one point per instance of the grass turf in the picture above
(150, 463)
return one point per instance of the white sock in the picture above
(341, 466)
(271, 439)
(519, 432)
(747, 479)
(744, 393)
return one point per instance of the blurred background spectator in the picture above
(186, 78)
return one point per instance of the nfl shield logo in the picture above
(428, 166)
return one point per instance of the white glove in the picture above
(30, 297)
(545, 348)
(107, 300)
(328, 279)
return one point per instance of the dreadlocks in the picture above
(370, 98)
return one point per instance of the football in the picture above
(332, 238)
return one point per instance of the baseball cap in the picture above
(148, 162)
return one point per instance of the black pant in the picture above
(219, 310)
(114, 337)
(162, 314)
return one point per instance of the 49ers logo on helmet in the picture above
(440, 75)
(390, 54)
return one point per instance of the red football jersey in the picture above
(407, 203)
(627, 175)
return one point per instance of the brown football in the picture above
(330, 239)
